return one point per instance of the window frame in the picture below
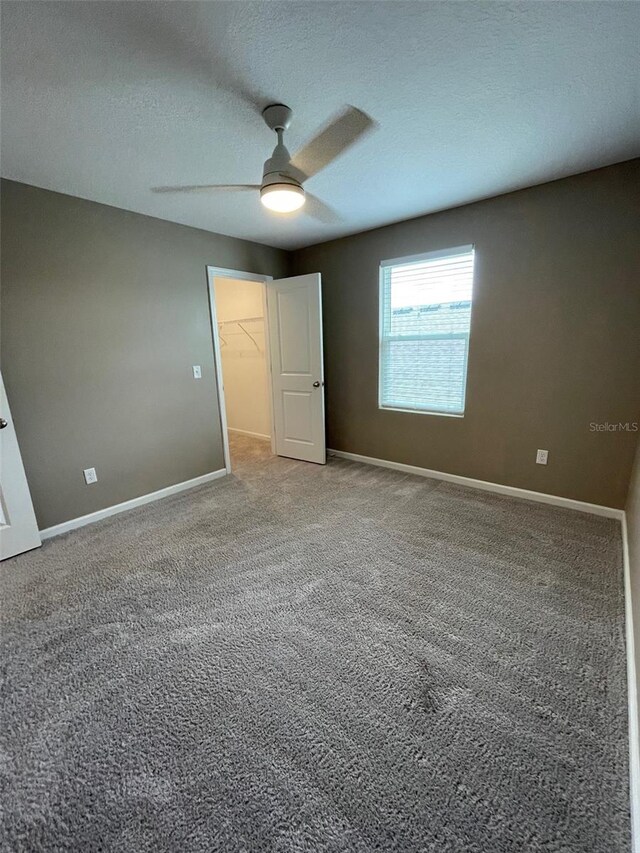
(413, 259)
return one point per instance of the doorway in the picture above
(239, 313)
(267, 338)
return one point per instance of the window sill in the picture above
(421, 412)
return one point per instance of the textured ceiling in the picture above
(105, 100)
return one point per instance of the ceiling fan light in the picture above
(282, 198)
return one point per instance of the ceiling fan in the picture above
(281, 189)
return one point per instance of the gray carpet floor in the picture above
(306, 658)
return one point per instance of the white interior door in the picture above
(18, 527)
(295, 331)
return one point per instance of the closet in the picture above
(241, 332)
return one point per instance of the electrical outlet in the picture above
(197, 371)
(541, 457)
(90, 476)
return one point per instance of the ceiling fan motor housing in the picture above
(275, 176)
(280, 191)
(276, 168)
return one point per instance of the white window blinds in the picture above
(425, 317)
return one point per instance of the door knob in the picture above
(3, 423)
(316, 384)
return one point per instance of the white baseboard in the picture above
(252, 434)
(74, 523)
(498, 488)
(634, 740)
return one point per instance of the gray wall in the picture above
(555, 341)
(103, 314)
(105, 311)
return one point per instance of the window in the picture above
(425, 316)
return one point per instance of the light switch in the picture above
(197, 371)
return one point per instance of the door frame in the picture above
(222, 272)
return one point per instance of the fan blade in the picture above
(319, 210)
(333, 140)
(196, 188)
(166, 39)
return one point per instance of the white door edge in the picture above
(18, 526)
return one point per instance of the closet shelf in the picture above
(240, 323)
(240, 320)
